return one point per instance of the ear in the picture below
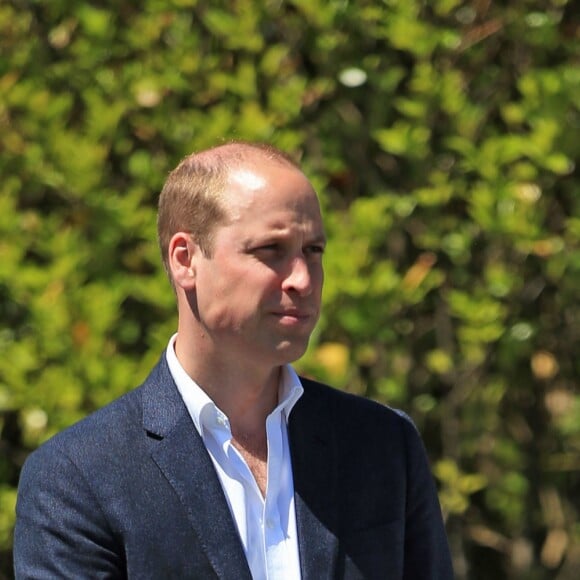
(181, 256)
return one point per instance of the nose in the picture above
(298, 277)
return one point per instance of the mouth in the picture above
(294, 317)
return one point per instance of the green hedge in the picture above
(443, 138)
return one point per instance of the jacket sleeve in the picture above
(427, 555)
(61, 531)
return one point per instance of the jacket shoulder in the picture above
(354, 406)
(109, 428)
(97, 432)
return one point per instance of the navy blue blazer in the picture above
(131, 492)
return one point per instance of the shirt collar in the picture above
(204, 411)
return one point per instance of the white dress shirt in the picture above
(266, 525)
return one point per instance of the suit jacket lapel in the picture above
(183, 458)
(315, 471)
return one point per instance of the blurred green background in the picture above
(443, 137)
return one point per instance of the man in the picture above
(224, 464)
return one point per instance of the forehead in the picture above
(260, 192)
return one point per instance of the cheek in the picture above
(231, 301)
(317, 277)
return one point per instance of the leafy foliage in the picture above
(443, 138)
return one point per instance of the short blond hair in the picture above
(192, 198)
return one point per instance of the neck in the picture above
(246, 393)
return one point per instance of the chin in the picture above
(288, 352)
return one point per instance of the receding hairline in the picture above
(227, 156)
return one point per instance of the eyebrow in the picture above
(319, 239)
(276, 236)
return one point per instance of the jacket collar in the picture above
(315, 472)
(182, 457)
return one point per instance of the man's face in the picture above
(258, 294)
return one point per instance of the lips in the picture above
(293, 315)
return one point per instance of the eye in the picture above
(314, 249)
(268, 251)
(268, 248)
